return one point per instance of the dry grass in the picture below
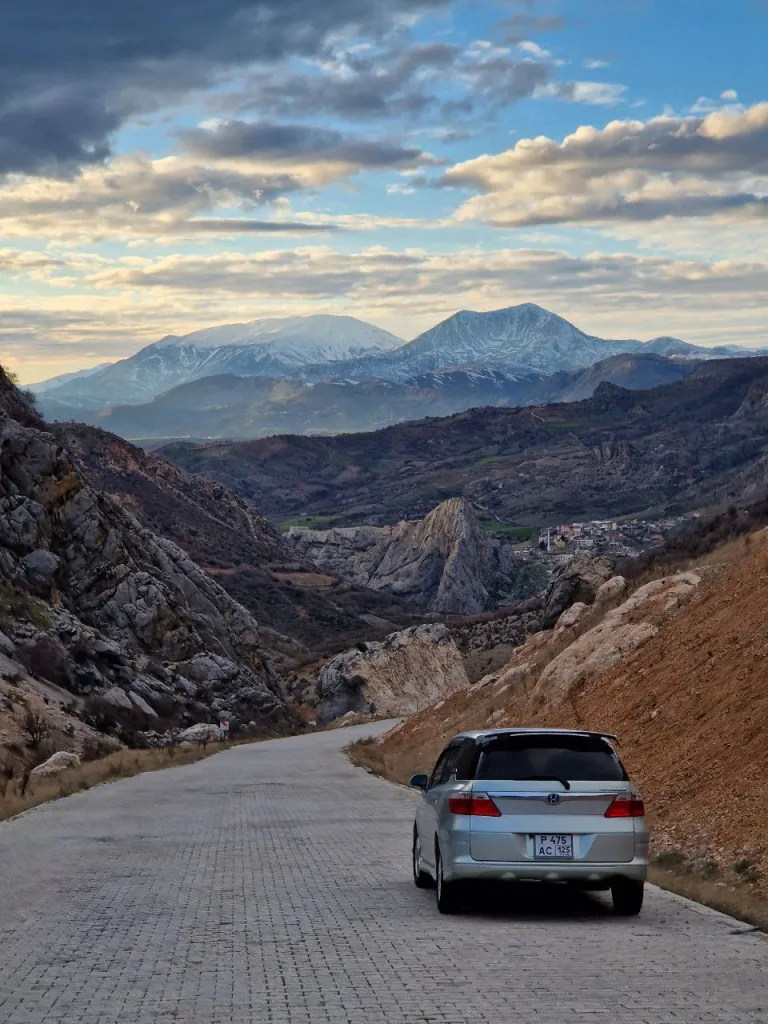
(737, 901)
(121, 765)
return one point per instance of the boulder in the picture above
(56, 763)
(580, 580)
(203, 732)
(406, 672)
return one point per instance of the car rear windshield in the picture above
(546, 757)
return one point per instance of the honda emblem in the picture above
(553, 799)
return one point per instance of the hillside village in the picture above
(609, 537)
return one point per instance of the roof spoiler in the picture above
(573, 732)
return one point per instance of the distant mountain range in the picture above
(228, 406)
(330, 374)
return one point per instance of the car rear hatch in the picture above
(557, 798)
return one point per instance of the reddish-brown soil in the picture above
(691, 711)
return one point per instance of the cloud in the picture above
(519, 26)
(170, 197)
(290, 144)
(400, 79)
(730, 95)
(596, 94)
(595, 65)
(70, 78)
(377, 273)
(627, 171)
(528, 46)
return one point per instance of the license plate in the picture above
(553, 847)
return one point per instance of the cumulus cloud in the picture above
(71, 75)
(629, 170)
(181, 196)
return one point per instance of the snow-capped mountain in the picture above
(271, 348)
(519, 339)
(522, 339)
(65, 378)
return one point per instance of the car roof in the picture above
(529, 731)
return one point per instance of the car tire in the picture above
(421, 879)
(627, 897)
(448, 893)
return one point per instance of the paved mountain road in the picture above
(271, 884)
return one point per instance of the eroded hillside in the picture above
(697, 442)
(677, 670)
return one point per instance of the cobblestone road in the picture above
(271, 884)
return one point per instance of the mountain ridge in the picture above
(233, 407)
(518, 339)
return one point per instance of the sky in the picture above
(170, 166)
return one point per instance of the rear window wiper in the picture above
(546, 778)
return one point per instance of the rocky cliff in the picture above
(404, 673)
(445, 562)
(102, 607)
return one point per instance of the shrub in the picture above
(36, 729)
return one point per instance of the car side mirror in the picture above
(420, 781)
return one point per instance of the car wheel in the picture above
(627, 897)
(448, 893)
(421, 879)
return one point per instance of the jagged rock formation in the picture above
(105, 609)
(405, 672)
(445, 562)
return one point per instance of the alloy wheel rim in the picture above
(417, 858)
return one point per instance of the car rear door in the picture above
(427, 818)
(546, 810)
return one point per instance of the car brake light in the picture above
(479, 805)
(626, 806)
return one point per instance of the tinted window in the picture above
(434, 779)
(466, 761)
(525, 757)
(446, 764)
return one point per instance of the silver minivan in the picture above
(545, 805)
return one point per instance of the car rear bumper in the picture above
(582, 873)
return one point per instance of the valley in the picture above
(507, 562)
(700, 441)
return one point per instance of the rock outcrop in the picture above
(550, 670)
(103, 608)
(446, 562)
(57, 763)
(404, 673)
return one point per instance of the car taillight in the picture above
(479, 805)
(626, 807)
